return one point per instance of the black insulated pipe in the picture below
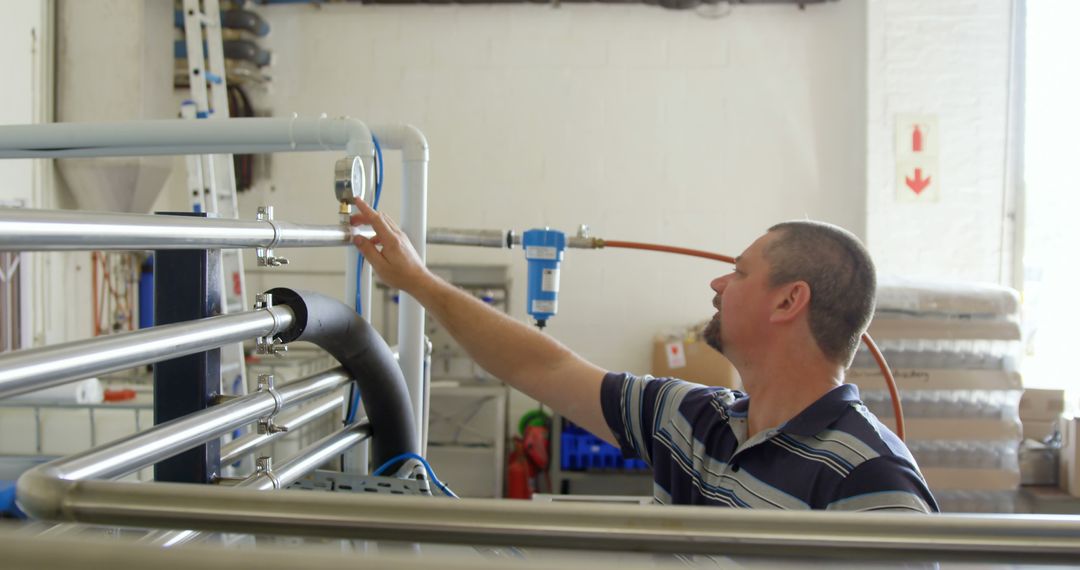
(337, 329)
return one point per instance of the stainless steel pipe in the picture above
(479, 238)
(247, 444)
(140, 450)
(305, 462)
(176, 136)
(309, 459)
(672, 529)
(37, 368)
(69, 230)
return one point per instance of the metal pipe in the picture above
(238, 448)
(501, 239)
(162, 441)
(592, 526)
(303, 463)
(572, 241)
(34, 369)
(69, 230)
(175, 137)
(337, 329)
(414, 147)
(309, 459)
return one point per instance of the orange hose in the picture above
(667, 249)
(890, 382)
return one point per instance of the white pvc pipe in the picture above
(414, 147)
(178, 137)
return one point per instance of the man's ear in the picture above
(792, 300)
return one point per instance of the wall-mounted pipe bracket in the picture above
(264, 466)
(268, 344)
(266, 424)
(264, 256)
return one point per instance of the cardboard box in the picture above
(1038, 404)
(952, 479)
(1069, 459)
(1039, 430)
(694, 361)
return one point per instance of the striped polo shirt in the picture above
(834, 455)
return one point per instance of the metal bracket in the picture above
(268, 344)
(267, 425)
(264, 256)
(265, 466)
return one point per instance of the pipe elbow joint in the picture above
(415, 144)
(358, 137)
(336, 328)
(39, 493)
(408, 138)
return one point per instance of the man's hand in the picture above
(390, 253)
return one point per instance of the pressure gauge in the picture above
(350, 180)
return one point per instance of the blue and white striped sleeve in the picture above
(634, 407)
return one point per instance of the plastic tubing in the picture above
(890, 382)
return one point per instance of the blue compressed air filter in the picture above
(543, 251)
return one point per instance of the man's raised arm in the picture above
(524, 358)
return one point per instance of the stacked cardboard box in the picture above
(1069, 463)
(953, 350)
(1040, 412)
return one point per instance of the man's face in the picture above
(742, 302)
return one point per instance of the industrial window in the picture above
(1051, 201)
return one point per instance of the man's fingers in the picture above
(369, 215)
(367, 247)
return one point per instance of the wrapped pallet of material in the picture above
(954, 350)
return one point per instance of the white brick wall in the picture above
(949, 59)
(647, 124)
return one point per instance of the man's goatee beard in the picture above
(712, 334)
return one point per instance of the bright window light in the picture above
(1052, 195)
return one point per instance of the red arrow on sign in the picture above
(919, 184)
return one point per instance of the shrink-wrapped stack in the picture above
(953, 348)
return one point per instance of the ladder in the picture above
(211, 179)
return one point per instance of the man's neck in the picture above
(783, 387)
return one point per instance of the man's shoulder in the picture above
(861, 424)
(693, 393)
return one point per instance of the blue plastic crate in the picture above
(583, 451)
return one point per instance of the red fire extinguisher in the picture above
(517, 473)
(530, 456)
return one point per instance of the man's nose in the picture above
(719, 284)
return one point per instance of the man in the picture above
(789, 318)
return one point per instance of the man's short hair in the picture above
(841, 276)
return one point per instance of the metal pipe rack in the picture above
(256, 136)
(27, 370)
(139, 450)
(67, 230)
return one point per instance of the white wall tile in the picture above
(948, 59)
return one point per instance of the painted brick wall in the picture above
(950, 59)
(646, 124)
